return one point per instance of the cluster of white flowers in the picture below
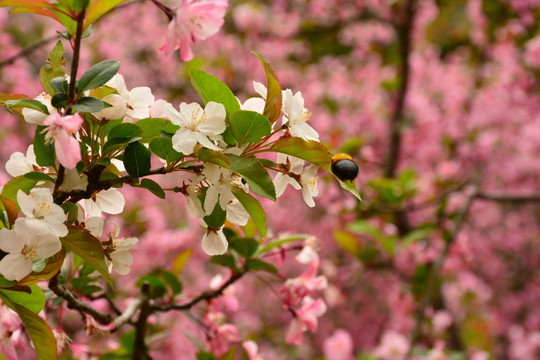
(197, 126)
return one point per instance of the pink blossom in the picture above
(252, 350)
(339, 346)
(60, 130)
(305, 319)
(193, 21)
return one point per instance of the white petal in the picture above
(184, 141)
(15, 266)
(111, 201)
(9, 241)
(304, 131)
(211, 199)
(308, 199)
(47, 246)
(91, 208)
(116, 111)
(18, 165)
(260, 89)
(95, 226)
(214, 243)
(253, 104)
(237, 214)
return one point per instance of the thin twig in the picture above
(509, 198)
(28, 50)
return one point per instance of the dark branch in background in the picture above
(204, 296)
(140, 350)
(28, 50)
(508, 198)
(431, 286)
(404, 29)
(75, 304)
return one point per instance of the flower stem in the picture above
(75, 63)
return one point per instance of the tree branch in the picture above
(509, 198)
(140, 350)
(204, 296)
(28, 50)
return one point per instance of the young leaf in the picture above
(97, 75)
(88, 248)
(99, 8)
(217, 218)
(214, 157)
(153, 187)
(10, 209)
(27, 103)
(312, 151)
(137, 160)
(254, 209)
(13, 186)
(210, 88)
(274, 97)
(4, 97)
(125, 130)
(255, 174)
(249, 126)
(282, 241)
(180, 261)
(172, 280)
(259, 265)
(162, 147)
(224, 260)
(88, 104)
(39, 331)
(45, 155)
(54, 67)
(34, 300)
(245, 247)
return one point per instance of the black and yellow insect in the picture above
(344, 167)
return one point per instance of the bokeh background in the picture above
(438, 102)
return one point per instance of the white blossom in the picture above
(43, 216)
(197, 126)
(109, 201)
(24, 245)
(222, 184)
(19, 164)
(308, 180)
(295, 116)
(121, 258)
(214, 242)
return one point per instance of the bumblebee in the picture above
(344, 167)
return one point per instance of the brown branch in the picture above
(404, 31)
(75, 304)
(509, 198)
(204, 296)
(28, 50)
(140, 350)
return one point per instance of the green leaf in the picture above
(217, 218)
(311, 151)
(13, 186)
(88, 104)
(6, 283)
(153, 187)
(272, 106)
(116, 144)
(27, 103)
(417, 235)
(162, 147)
(226, 260)
(152, 127)
(52, 268)
(157, 285)
(254, 209)
(10, 209)
(71, 210)
(245, 247)
(282, 241)
(125, 130)
(255, 174)
(99, 8)
(137, 160)
(34, 301)
(54, 67)
(210, 88)
(229, 355)
(39, 331)
(45, 155)
(35, 175)
(249, 126)
(420, 281)
(172, 280)
(97, 75)
(203, 355)
(88, 248)
(259, 265)
(60, 84)
(59, 100)
(214, 157)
